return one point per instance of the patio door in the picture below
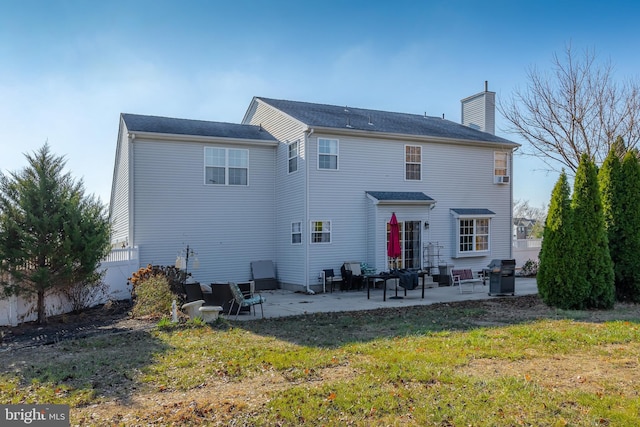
(410, 244)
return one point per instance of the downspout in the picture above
(511, 207)
(307, 134)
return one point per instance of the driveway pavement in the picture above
(282, 303)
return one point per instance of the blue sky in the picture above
(69, 68)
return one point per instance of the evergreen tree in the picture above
(52, 235)
(611, 185)
(626, 262)
(596, 281)
(557, 273)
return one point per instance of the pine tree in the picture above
(611, 184)
(596, 278)
(557, 273)
(626, 262)
(52, 235)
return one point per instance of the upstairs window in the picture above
(320, 231)
(413, 163)
(293, 156)
(500, 164)
(296, 233)
(327, 154)
(226, 166)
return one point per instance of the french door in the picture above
(410, 243)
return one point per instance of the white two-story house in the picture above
(310, 186)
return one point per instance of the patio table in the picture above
(382, 276)
(369, 278)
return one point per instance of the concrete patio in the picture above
(282, 303)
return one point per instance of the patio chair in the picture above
(460, 277)
(329, 278)
(194, 293)
(244, 301)
(352, 277)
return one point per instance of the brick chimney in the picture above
(479, 111)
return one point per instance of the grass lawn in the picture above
(441, 365)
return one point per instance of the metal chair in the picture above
(194, 293)
(352, 277)
(244, 301)
(329, 278)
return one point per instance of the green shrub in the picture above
(175, 278)
(626, 263)
(530, 268)
(592, 244)
(557, 273)
(153, 297)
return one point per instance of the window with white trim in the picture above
(226, 166)
(500, 163)
(327, 154)
(413, 162)
(473, 235)
(472, 232)
(296, 233)
(320, 231)
(293, 156)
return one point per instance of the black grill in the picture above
(502, 276)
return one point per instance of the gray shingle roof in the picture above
(155, 124)
(332, 116)
(400, 196)
(473, 211)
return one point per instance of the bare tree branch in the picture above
(577, 107)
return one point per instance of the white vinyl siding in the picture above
(454, 175)
(290, 193)
(478, 112)
(327, 153)
(119, 209)
(173, 209)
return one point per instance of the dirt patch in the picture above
(113, 317)
(566, 372)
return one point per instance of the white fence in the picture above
(118, 267)
(526, 249)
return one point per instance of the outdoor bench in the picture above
(464, 276)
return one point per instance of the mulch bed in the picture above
(112, 317)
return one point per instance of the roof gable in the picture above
(336, 117)
(168, 125)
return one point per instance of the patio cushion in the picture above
(465, 274)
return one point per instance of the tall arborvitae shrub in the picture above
(611, 185)
(557, 273)
(595, 282)
(627, 260)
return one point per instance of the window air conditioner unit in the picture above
(501, 179)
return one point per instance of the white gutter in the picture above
(196, 138)
(307, 133)
(416, 138)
